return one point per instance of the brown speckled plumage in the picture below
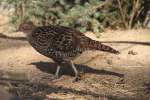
(60, 43)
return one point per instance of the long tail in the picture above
(96, 45)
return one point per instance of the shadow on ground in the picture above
(66, 69)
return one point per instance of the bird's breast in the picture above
(39, 42)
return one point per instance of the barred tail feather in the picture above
(96, 45)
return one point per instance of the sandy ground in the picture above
(104, 76)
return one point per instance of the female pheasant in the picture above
(60, 43)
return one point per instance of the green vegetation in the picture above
(85, 15)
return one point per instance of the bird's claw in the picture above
(76, 79)
(55, 77)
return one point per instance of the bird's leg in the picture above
(56, 76)
(77, 77)
(57, 72)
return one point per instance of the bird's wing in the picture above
(66, 39)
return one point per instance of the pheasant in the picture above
(60, 43)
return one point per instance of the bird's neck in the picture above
(29, 32)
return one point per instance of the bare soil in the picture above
(104, 76)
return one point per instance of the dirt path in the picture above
(104, 76)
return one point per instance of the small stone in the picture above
(131, 52)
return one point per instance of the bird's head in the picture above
(26, 27)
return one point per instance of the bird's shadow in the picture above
(66, 69)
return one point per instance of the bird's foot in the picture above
(55, 77)
(77, 78)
